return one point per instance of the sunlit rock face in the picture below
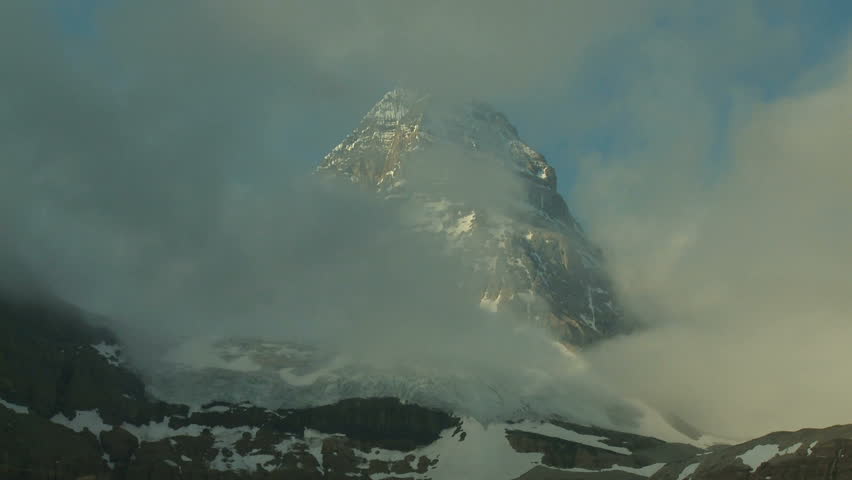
(464, 173)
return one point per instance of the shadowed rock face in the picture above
(381, 422)
(469, 177)
(50, 364)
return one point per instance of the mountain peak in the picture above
(462, 166)
(396, 104)
(408, 105)
(404, 121)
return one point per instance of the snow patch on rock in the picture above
(83, 420)
(112, 353)
(811, 447)
(761, 454)
(645, 471)
(688, 471)
(14, 407)
(555, 431)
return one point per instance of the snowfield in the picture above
(475, 450)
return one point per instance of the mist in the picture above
(744, 283)
(156, 170)
(139, 185)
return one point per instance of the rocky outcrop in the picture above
(119, 445)
(805, 454)
(55, 361)
(377, 422)
(565, 454)
(34, 447)
(618, 448)
(492, 197)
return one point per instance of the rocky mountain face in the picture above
(471, 180)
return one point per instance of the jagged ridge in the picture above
(495, 199)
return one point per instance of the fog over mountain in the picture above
(746, 283)
(155, 168)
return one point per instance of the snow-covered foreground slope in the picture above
(469, 450)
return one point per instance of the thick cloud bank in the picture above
(152, 201)
(153, 158)
(745, 284)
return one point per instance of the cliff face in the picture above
(469, 177)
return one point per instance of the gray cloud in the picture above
(745, 282)
(466, 48)
(138, 183)
(148, 172)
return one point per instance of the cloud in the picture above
(151, 171)
(149, 116)
(479, 47)
(144, 128)
(744, 282)
(321, 264)
(138, 183)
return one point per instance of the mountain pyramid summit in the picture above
(492, 197)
